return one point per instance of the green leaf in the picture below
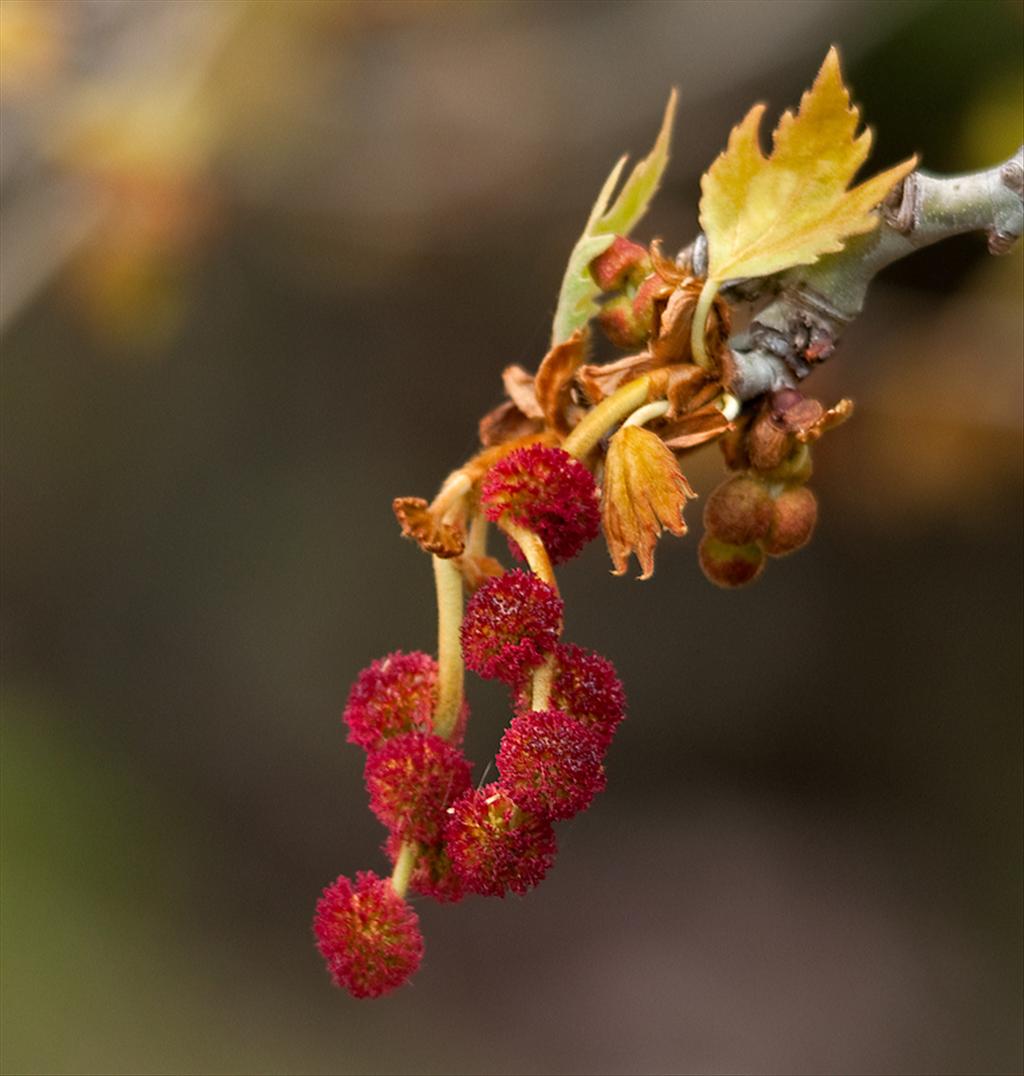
(576, 300)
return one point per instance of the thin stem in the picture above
(448, 581)
(448, 501)
(543, 680)
(476, 540)
(598, 421)
(649, 411)
(533, 549)
(405, 861)
(700, 321)
(540, 564)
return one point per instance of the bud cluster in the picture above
(765, 510)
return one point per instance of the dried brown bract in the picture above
(423, 525)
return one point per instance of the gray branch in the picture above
(810, 306)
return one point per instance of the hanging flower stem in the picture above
(404, 864)
(448, 582)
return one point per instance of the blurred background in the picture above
(262, 265)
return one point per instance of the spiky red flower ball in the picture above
(393, 695)
(433, 875)
(368, 935)
(511, 624)
(547, 491)
(550, 763)
(411, 779)
(494, 846)
(587, 687)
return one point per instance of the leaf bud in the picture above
(739, 511)
(796, 512)
(623, 261)
(728, 565)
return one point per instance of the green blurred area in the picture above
(263, 264)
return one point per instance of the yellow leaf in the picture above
(765, 214)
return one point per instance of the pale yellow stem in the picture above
(540, 564)
(448, 502)
(533, 549)
(700, 322)
(448, 581)
(598, 421)
(543, 680)
(643, 415)
(476, 540)
(405, 861)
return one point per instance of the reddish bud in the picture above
(550, 763)
(622, 261)
(739, 511)
(547, 491)
(511, 624)
(394, 695)
(494, 846)
(729, 565)
(411, 780)
(617, 320)
(433, 875)
(796, 512)
(368, 935)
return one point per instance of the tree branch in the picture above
(811, 305)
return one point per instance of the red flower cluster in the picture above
(411, 780)
(368, 935)
(494, 846)
(446, 838)
(512, 623)
(394, 695)
(550, 763)
(550, 493)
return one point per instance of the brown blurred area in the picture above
(262, 264)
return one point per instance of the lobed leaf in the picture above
(765, 214)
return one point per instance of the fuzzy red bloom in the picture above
(433, 875)
(550, 763)
(550, 493)
(494, 846)
(511, 624)
(587, 688)
(368, 935)
(394, 695)
(411, 780)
